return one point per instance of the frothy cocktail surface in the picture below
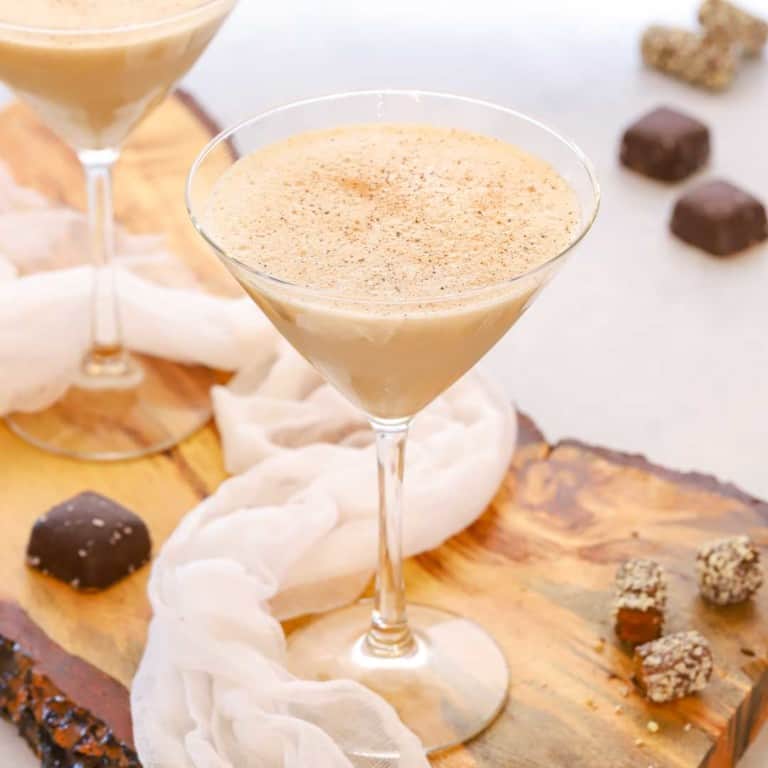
(94, 68)
(90, 14)
(381, 214)
(395, 211)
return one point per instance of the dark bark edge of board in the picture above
(71, 714)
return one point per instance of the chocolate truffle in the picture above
(729, 570)
(673, 666)
(719, 218)
(641, 598)
(665, 144)
(89, 542)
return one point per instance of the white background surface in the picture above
(641, 343)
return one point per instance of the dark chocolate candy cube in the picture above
(719, 218)
(666, 145)
(89, 541)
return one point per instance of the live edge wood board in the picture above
(536, 569)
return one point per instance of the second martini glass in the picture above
(92, 72)
(391, 356)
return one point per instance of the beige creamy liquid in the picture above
(414, 234)
(90, 80)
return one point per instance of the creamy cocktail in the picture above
(393, 237)
(400, 244)
(105, 64)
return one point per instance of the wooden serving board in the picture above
(536, 569)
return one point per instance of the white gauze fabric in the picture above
(293, 532)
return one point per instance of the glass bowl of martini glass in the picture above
(92, 70)
(393, 238)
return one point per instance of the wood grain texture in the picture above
(536, 569)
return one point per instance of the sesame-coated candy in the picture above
(727, 22)
(641, 598)
(699, 60)
(729, 570)
(673, 666)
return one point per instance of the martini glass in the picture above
(92, 81)
(445, 676)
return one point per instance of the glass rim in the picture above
(6, 26)
(226, 136)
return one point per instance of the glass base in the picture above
(113, 412)
(448, 688)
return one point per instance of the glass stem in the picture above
(389, 634)
(107, 357)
